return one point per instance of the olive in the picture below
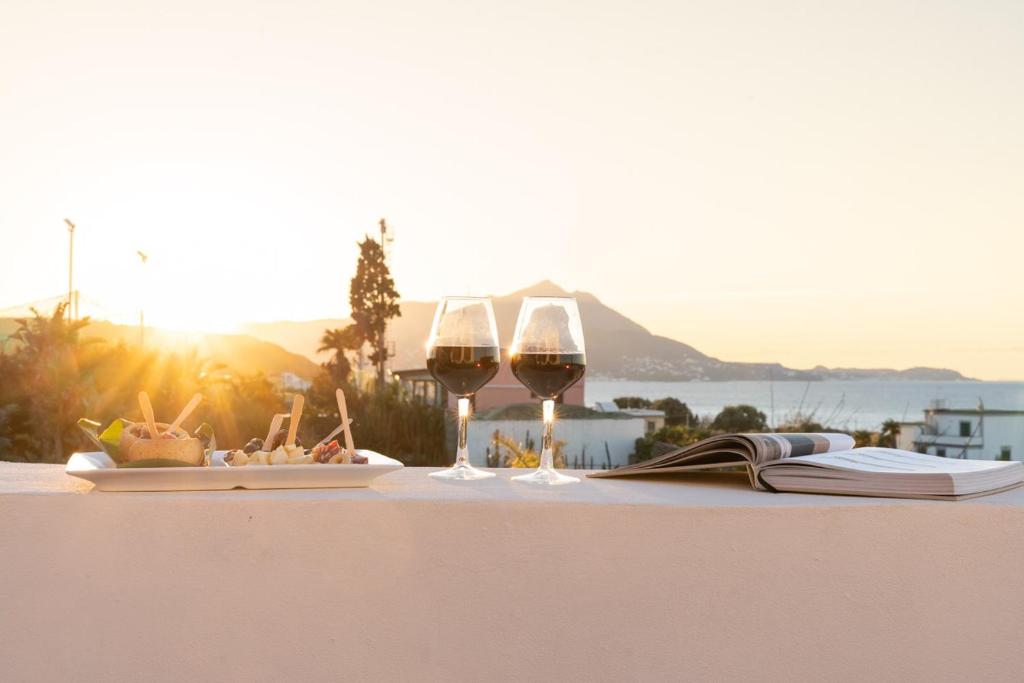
(253, 446)
(280, 438)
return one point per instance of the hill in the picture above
(244, 354)
(617, 347)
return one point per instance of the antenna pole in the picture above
(71, 266)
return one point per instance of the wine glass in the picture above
(548, 357)
(463, 355)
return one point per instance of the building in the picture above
(975, 433)
(503, 390)
(289, 381)
(591, 439)
(421, 386)
(653, 419)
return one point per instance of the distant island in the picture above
(617, 347)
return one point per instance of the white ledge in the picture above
(699, 578)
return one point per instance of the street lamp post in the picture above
(142, 319)
(71, 263)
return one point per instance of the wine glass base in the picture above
(462, 473)
(546, 477)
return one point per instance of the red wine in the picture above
(463, 370)
(549, 374)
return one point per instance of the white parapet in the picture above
(699, 579)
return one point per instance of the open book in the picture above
(828, 463)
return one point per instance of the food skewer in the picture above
(334, 433)
(293, 424)
(345, 422)
(147, 413)
(275, 427)
(185, 412)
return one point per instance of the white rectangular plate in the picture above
(98, 468)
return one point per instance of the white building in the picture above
(976, 433)
(596, 440)
(289, 381)
(653, 419)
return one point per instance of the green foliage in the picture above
(863, 437)
(801, 424)
(624, 402)
(676, 435)
(889, 434)
(374, 301)
(507, 452)
(384, 421)
(48, 381)
(532, 411)
(676, 412)
(52, 377)
(340, 342)
(739, 419)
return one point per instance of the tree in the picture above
(741, 418)
(522, 454)
(626, 402)
(889, 434)
(339, 342)
(667, 438)
(801, 424)
(48, 381)
(676, 412)
(374, 301)
(863, 437)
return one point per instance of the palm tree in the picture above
(863, 437)
(339, 342)
(521, 455)
(47, 374)
(890, 432)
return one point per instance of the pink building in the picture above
(503, 390)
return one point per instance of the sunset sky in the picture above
(788, 181)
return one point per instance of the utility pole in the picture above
(383, 351)
(71, 263)
(142, 318)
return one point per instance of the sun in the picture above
(179, 319)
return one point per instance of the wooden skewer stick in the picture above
(147, 413)
(275, 427)
(334, 433)
(185, 412)
(343, 411)
(293, 424)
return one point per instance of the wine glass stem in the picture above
(547, 456)
(462, 454)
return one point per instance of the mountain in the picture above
(617, 347)
(243, 354)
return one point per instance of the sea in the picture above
(848, 405)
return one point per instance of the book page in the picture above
(893, 460)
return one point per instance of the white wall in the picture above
(620, 434)
(985, 444)
(421, 580)
(908, 433)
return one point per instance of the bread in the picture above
(136, 445)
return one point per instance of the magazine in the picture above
(828, 463)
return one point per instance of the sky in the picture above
(810, 183)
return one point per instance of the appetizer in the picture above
(151, 443)
(137, 445)
(282, 447)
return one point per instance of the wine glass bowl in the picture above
(548, 357)
(463, 355)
